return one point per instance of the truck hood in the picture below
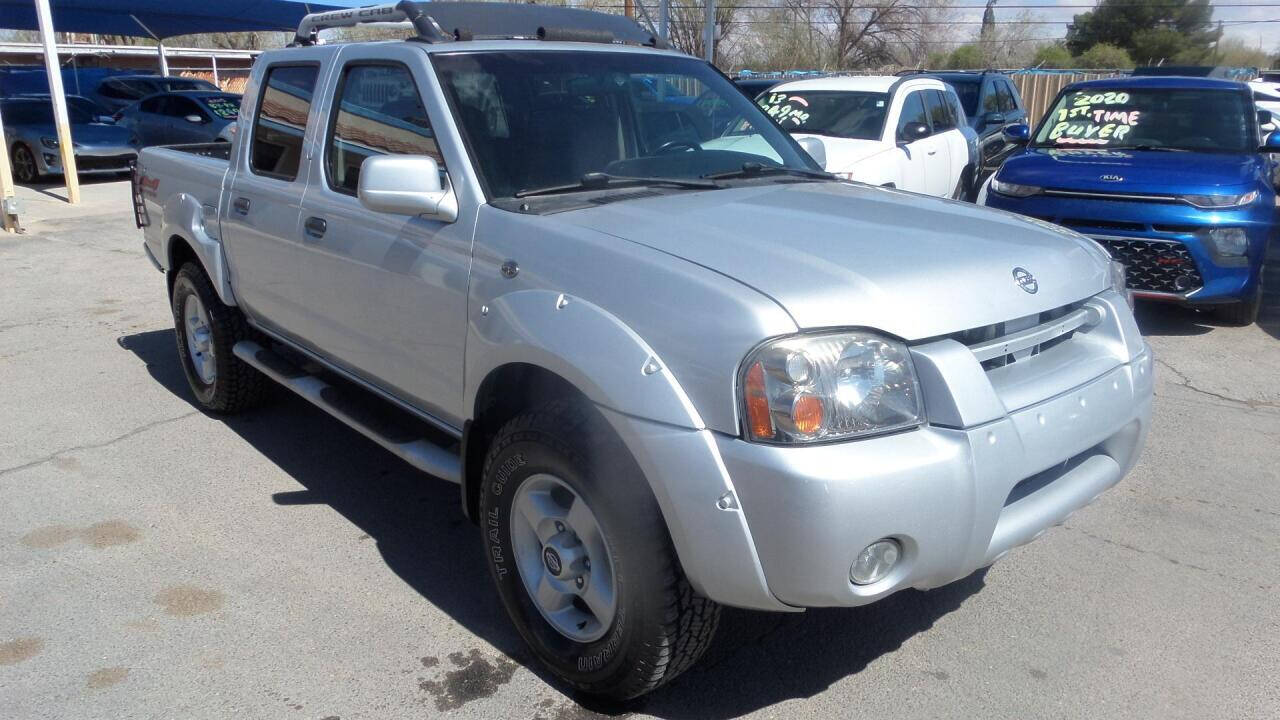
(845, 254)
(1132, 171)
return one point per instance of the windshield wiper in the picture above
(752, 169)
(603, 181)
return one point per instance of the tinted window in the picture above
(380, 113)
(939, 111)
(913, 111)
(188, 84)
(857, 115)
(1159, 118)
(179, 107)
(119, 90)
(990, 98)
(1007, 103)
(968, 92)
(150, 105)
(957, 109)
(282, 120)
(40, 112)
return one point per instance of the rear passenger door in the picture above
(386, 293)
(260, 207)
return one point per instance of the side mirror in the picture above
(1017, 134)
(994, 118)
(194, 119)
(912, 132)
(1272, 143)
(406, 185)
(816, 150)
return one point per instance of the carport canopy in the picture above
(156, 19)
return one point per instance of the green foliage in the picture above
(1233, 52)
(937, 59)
(1052, 55)
(967, 57)
(1148, 29)
(1104, 56)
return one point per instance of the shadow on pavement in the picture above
(758, 659)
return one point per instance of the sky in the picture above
(1264, 35)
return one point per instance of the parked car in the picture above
(670, 371)
(753, 86)
(902, 132)
(187, 116)
(32, 138)
(119, 91)
(1185, 198)
(991, 103)
(1266, 95)
(89, 107)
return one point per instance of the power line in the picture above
(810, 6)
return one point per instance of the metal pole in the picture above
(709, 31)
(8, 203)
(664, 21)
(214, 60)
(59, 102)
(164, 62)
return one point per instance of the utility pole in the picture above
(664, 20)
(629, 8)
(54, 70)
(709, 31)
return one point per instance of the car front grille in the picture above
(1154, 265)
(105, 162)
(1022, 338)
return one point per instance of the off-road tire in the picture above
(661, 626)
(236, 386)
(1244, 313)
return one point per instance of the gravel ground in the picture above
(156, 562)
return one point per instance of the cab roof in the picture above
(1159, 82)
(857, 83)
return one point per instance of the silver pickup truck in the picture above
(671, 363)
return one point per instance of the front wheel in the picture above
(25, 169)
(580, 554)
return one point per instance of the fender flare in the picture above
(647, 408)
(184, 217)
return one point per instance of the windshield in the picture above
(1146, 118)
(968, 92)
(858, 115)
(178, 85)
(40, 112)
(225, 107)
(540, 119)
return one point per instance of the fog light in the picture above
(1229, 241)
(50, 159)
(875, 561)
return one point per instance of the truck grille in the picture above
(1154, 265)
(107, 162)
(1021, 338)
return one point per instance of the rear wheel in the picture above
(206, 331)
(25, 169)
(580, 554)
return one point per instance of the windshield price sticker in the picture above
(1093, 119)
(782, 107)
(225, 108)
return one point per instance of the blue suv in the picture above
(1169, 174)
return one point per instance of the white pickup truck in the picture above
(668, 375)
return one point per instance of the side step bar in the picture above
(371, 417)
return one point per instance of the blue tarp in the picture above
(18, 79)
(163, 18)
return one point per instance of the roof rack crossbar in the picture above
(404, 11)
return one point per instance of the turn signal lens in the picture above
(806, 411)
(758, 403)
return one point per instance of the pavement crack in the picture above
(95, 446)
(1184, 381)
(1166, 558)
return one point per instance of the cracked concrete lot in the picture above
(156, 562)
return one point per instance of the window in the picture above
(151, 104)
(957, 109)
(939, 111)
(1007, 103)
(179, 107)
(120, 90)
(913, 111)
(990, 97)
(857, 115)
(968, 92)
(380, 113)
(281, 120)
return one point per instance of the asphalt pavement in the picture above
(158, 562)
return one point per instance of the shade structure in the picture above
(163, 18)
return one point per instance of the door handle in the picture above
(933, 152)
(315, 227)
(241, 205)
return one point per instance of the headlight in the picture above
(1013, 189)
(51, 143)
(1118, 282)
(1218, 202)
(1228, 241)
(832, 386)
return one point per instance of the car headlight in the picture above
(829, 386)
(1119, 283)
(51, 143)
(1013, 189)
(1219, 202)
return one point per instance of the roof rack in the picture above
(484, 21)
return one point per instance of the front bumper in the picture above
(90, 159)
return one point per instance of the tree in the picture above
(686, 21)
(966, 57)
(1053, 55)
(1123, 23)
(1105, 56)
(1233, 52)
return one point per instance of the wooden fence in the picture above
(1039, 89)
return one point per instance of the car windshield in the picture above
(225, 107)
(540, 119)
(1200, 120)
(179, 85)
(40, 112)
(968, 92)
(858, 115)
